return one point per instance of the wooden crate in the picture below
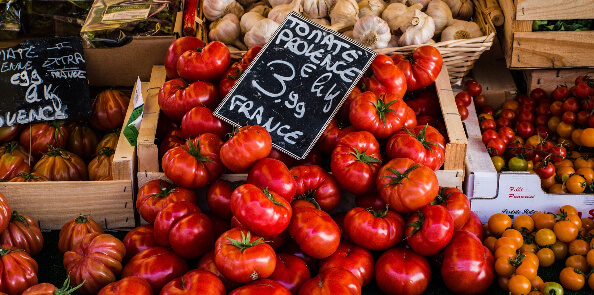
(527, 49)
(452, 173)
(109, 203)
(549, 79)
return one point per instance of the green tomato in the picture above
(552, 288)
(498, 162)
(517, 164)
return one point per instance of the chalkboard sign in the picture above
(296, 84)
(43, 80)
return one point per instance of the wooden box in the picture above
(452, 173)
(549, 79)
(527, 49)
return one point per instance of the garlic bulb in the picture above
(317, 8)
(398, 14)
(372, 31)
(441, 14)
(344, 11)
(275, 3)
(423, 2)
(226, 30)
(322, 21)
(260, 8)
(371, 7)
(248, 21)
(418, 30)
(280, 12)
(461, 9)
(461, 29)
(260, 33)
(215, 9)
(393, 41)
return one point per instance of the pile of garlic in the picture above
(242, 24)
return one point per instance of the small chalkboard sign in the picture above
(43, 80)
(296, 84)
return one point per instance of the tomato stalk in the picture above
(11, 147)
(383, 108)
(400, 176)
(245, 241)
(309, 198)
(15, 216)
(106, 151)
(194, 151)
(441, 197)
(66, 289)
(269, 195)
(379, 213)
(362, 157)
(164, 191)
(82, 218)
(28, 176)
(5, 251)
(421, 138)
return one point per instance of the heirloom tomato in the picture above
(11, 163)
(176, 97)
(200, 120)
(96, 261)
(425, 103)
(411, 119)
(273, 211)
(290, 271)
(206, 63)
(468, 266)
(422, 144)
(382, 115)
(50, 289)
(196, 281)
(177, 48)
(74, 230)
(386, 78)
(110, 139)
(262, 287)
(218, 197)
(243, 257)
(61, 165)
(374, 230)
(406, 186)
(172, 139)
(156, 265)
(232, 74)
(342, 116)
(355, 162)
(15, 148)
(138, 239)
(10, 133)
(456, 202)
(355, 259)
(18, 271)
(315, 182)
(402, 271)
(429, 230)
(157, 194)
(82, 139)
(331, 135)
(100, 166)
(420, 68)
(315, 231)
(195, 164)
(207, 262)
(127, 286)
(5, 214)
(23, 233)
(274, 175)
(109, 110)
(248, 145)
(39, 136)
(333, 280)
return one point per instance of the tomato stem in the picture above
(164, 191)
(362, 157)
(270, 196)
(400, 176)
(382, 108)
(82, 218)
(194, 150)
(245, 241)
(416, 225)
(15, 216)
(66, 289)
(379, 213)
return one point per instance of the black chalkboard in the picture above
(43, 80)
(296, 84)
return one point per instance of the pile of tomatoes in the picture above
(528, 242)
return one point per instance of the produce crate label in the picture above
(296, 84)
(133, 124)
(43, 80)
(125, 13)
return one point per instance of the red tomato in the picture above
(374, 230)
(273, 211)
(381, 115)
(176, 97)
(315, 231)
(274, 175)
(315, 182)
(386, 78)
(331, 135)
(456, 202)
(544, 169)
(49, 289)
(262, 287)
(373, 201)
(488, 124)
(473, 87)
(97, 260)
(402, 271)
(560, 93)
(23, 233)
(234, 72)
(496, 147)
(243, 257)
(570, 105)
(157, 194)
(9, 133)
(420, 68)
(195, 164)
(177, 47)
(207, 262)
(333, 280)
(464, 97)
(109, 110)
(406, 186)
(291, 271)
(127, 286)
(157, 266)
(429, 230)
(506, 133)
(357, 260)
(5, 214)
(468, 266)
(423, 144)
(39, 136)
(581, 90)
(200, 120)
(246, 147)
(196, 281)
(82, 139)
(342, 116)
(218, 197)
(18, 270)
(488, 135)
(139, 239)
(74, 230)
(206, 63)
(61, 165)
(355, 162)
(474, 225)
(291, 247)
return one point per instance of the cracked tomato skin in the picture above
(206, 63)
(196, 281)
(356, 161)
(420, 68)
(18, 271)
(382, 115)
(405, 186)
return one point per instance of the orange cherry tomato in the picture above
(578, 247)
(566, 231)
(546, 257)
(544, 220)
(514, 235)
(519, 284)
(560, 249)
(577, 262)
(545, 237)
(576, 184)
(524, 223)
(503, 267)
(571, 280)
(568, 209)
(499, 222)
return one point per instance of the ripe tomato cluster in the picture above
(463, 99)
(528, 242)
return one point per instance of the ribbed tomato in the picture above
(109, 110)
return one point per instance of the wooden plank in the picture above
(507, 38)
(522, 26)
(147, 149)
(553, 49)
(554, 9)
(548, 79)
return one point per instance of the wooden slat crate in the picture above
(549, 79)
(452, 173)
(527, 49)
